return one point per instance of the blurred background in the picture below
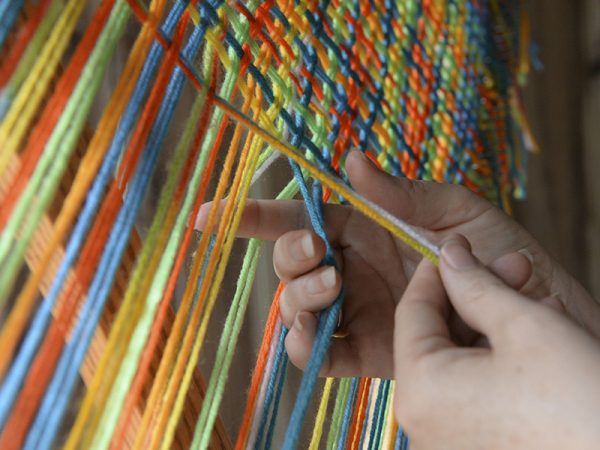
(563, 101)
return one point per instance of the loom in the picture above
(105, 311)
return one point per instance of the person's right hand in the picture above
(535, 386)
(375, 267)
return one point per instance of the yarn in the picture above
(92, 323)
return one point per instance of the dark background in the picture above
(563, 101)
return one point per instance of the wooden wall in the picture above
(591, 142)
(563, 100)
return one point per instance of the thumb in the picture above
(483, 301)
(421, 203)
(421, 317)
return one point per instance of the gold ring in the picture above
(340, 332)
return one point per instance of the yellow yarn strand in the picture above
(88, 168)
(211, 286)
(25, 106)
(216, 285)
(391, 426)
(370, 413)
(112, 356)
(317, 433)
(394, 225)
(167, 363)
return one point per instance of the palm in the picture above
(376, 267)
(374, 277)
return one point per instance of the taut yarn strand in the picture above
(106, 295)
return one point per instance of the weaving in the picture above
(106, 303)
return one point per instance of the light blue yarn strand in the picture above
(378, 414)
(276, 402)
(270, 392)
(327, 319)
(402, 442)
(62, 385)
(18, 370)
(348, 414)
(9, 11)
(16, 374)
(111, 258)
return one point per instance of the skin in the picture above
(375, 267)
(535, 386)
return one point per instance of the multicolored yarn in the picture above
(89, 305)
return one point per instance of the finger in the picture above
(300, 338)
(481, 299)
(312, 292)
(515, 269)
(269, 219)
(340, 360)
(296, 253)
(263, 219)
(424, 204)
(553, 301)
(421, 326)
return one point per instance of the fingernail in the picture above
(362, 155)
(322, 281)
(303, 248)
(457, 256)
(299, 322)
(303, 321)
(527, 254)
(202, 216)
(328, 277)
(554, 302)
(367, 159)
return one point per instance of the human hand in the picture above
(375, 266)
(535, 387)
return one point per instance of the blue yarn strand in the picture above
(327, 319)
(276, 402)
(402, 442)
(379, 414)
(280, 356)
(15, 377)
(363, 434)
(60, 389)
(348, 414)
(9, 11)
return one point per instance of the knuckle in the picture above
(475, 292)
(461, 191)
(466, 203)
